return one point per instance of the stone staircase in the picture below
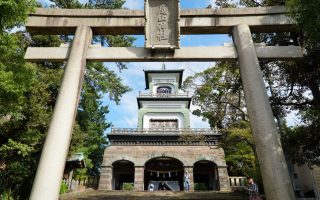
(316, 174)
(160, 195)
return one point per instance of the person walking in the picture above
(253, 189)
(186, 181)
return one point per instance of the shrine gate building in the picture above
(164, 146)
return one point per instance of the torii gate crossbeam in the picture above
(132, 22)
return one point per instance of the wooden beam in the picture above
(131, 22)
(137, 54)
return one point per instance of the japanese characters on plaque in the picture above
(162, 24)
(162, 27)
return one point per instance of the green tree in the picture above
(32, 94)
(15, 82)
(240, 151)
(307, 15)
(218, 93)
(28, 93)
(14, 13)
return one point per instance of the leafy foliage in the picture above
(240, 151)
(27, 101)
(306, 14)
(14, 13)
(28, 94)
(302, 142)
(218, 94)
(128, 186)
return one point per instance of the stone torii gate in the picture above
(162, 22)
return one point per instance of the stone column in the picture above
(105, 182)
(224, 183)
(139, 178)
(276, 180)
(54, 154)
(189, 169)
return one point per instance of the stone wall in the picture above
(316, 174)
(139, 155)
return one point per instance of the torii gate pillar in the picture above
(273, 165)
(54, 154)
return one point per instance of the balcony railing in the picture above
(171, 131)
(238, 181)
(163, 95)
(163, 80)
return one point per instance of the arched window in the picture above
(164, 90)
(205, 175)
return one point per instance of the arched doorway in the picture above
(164, 173)
(205, 175)
(123, 175)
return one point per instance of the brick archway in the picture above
(139, 155)
(163, 173)
(122, 174)
(205, 175)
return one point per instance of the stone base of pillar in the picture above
(105, 182)
(224, 179)
(139, 178)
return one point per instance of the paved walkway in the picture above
(163, 195)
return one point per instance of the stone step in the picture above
(316, 174)
(160, 195)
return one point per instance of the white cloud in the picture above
(129, 103)
(126, 114)
(132, 122)
(126, 122)
(212, 3)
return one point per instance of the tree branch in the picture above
(236, 107)
(293, 104)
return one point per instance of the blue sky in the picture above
(125, 114)
(138, 4)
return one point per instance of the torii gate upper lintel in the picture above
(162, 29)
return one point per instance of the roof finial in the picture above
(163, 66)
